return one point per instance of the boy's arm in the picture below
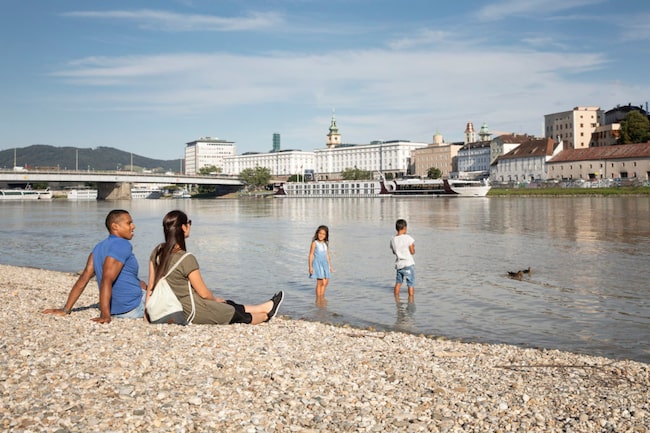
(77, 289)
(412, 248)
(111, 270)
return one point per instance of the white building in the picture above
(574, 128)
(525, 163)
(386, 156)
(329, 162)
(474, 158)
(505, 143)
(280, 163)
(206, 152)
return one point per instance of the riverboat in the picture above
(82, 194)
(182, 194)
(341, 188)
(25, 194)
(385, 188)
(147, 192)
(438, 187)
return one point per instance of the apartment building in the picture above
(574, 128)
(206, 152)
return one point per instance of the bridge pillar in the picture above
(114, 191)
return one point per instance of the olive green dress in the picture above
(207, 311)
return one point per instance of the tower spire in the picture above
(333, 138)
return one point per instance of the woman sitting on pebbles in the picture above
(208, 309)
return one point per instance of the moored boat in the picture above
(182, 193)
(385, 188)
(82, 194)
(144, 191)
(438, 187)
(341, 188)
(25, 194)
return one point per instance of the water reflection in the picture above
(405, 320)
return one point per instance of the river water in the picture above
(588, 291)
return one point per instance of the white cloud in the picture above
(390, 94)
(169, 21)
(422, 37)
(507, 8)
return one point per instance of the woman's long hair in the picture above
(174, 235)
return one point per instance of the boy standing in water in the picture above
(403, 246)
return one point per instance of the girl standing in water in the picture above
(320, 266)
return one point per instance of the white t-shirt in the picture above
(400, 245)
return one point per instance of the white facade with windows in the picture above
(387, 156)
(206, 152)
(474, 160)
(282, 163)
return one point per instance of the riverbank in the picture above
(69, 374)
(573, 191)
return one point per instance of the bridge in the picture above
(116, 185)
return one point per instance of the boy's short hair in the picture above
(113, 217)
(400, 224)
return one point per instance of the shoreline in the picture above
(69, 374)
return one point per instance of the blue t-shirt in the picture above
(127, 293)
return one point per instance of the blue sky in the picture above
(150, 76)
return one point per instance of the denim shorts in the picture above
(406, 273)
(136, 313)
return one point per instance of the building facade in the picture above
(574, 128)
(525, 163)
(623, 161)
(386, 156)
(207, 152)
(283, 163)
(505, 143)
(606, 135)
(438, 155)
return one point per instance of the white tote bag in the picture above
(163, 302)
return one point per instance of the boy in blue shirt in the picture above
(121, 293)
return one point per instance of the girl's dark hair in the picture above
(174, 235)
(327, 234)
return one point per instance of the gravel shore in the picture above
(69, 374)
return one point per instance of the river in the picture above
(587, 292)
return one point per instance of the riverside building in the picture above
(574, 128)
(392, 157)
(206, 152)
(328, 163)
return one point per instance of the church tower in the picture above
(333, 138)
(484, 134)
(470, 134)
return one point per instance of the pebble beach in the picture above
(70, 374)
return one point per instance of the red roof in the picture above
(620, 151)
(531, 148)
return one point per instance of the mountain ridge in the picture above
(45, 156)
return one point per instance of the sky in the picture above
(150, 76)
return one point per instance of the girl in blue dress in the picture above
(320, 265)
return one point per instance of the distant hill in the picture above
(43, 156)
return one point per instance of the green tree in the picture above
(256, 178)
(355, 174)
(210, 169)
(634, 129)
(434, 173)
